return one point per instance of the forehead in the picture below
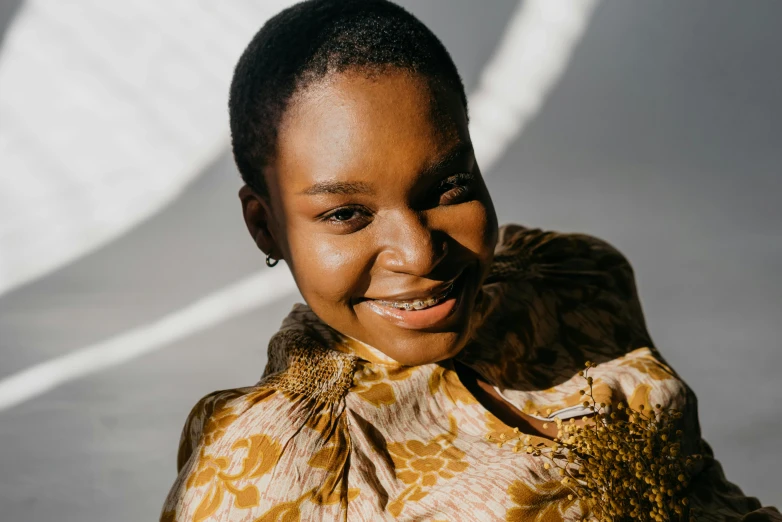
(366, 128)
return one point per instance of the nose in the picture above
(411, 246)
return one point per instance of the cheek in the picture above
(329, 269)
(475, 228)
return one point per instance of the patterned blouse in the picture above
(335, 430)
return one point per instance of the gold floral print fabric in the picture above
(422, 464)
(336, 430)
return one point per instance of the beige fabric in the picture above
(335, 430)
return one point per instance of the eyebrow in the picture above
(340, 188)
(460, 150)
(350, 188)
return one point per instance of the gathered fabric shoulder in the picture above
(237, 443)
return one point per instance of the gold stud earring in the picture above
(269, 262)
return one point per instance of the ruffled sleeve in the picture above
(712, 495)
(556, 300)
(552, 302)
(276, 451)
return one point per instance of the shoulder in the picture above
(524, 252)
(219, 412)
(257, 451)
(549, 288)
(519, 244)
(301, 379)
(515, 237)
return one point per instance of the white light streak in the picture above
(249, 293)
(528, 63)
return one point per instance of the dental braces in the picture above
(418, 304)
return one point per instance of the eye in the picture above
(349, 219)
(457, 188)
(343, 214)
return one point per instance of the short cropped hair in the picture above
(310, 40)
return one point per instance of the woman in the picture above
(429, 333)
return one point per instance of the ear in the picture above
(259, 218)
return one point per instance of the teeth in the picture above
(417, 304)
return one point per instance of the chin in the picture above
(427, 350)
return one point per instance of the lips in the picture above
(421, 312)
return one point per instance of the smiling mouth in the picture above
(422, 313)
(417, 304)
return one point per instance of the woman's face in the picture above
(379, 209)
